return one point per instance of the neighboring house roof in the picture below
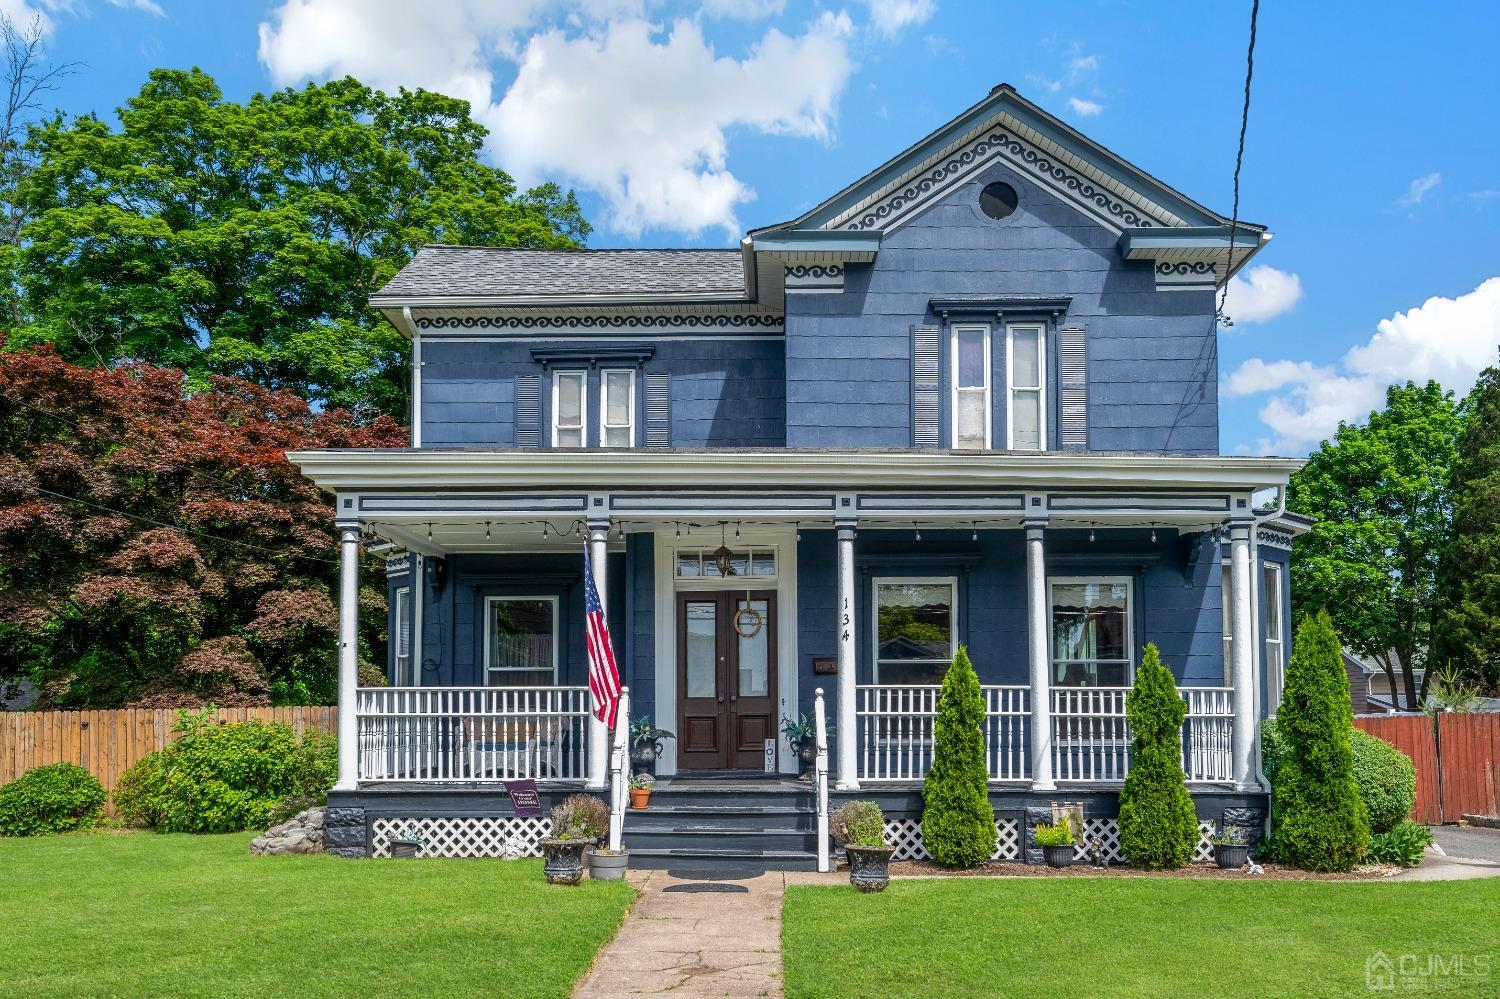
(1375, 685)
(486, 272)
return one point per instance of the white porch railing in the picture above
(820, 775)
(472, 733)
(619, 770)
(896, 731)
(1090, 738)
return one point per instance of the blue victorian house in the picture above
(969, 400)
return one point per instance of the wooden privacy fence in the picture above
(1458, 769)
(107, 743)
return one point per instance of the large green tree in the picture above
(1380, 494)
(243, 239)
(1470, 630)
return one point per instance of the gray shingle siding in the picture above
(1152, 379)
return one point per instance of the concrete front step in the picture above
(691, 838)
(709, 860)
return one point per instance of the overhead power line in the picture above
(1239, 159)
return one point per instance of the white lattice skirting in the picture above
(906, 836)
(505, 837)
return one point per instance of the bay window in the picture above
(1270, 595)
(1091, 633)
(569, 408)
(617, 408)
(971, 387)
(1026, 394)
(915, 633)
(521, 641)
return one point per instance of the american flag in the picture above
(604, 677)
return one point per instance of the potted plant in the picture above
(1230, 849)
(861, 825)
(405, 845)
(646, 743)
(1056, 841)
(577, 824)
(804, 741)
(640, 790)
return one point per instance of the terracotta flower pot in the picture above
(869, 866)
(640, 797)
(564, 860)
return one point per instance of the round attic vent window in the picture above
(997, 200)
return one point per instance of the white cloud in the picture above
(148, 6)
(1449, 340)
(636, 111)
(1085, 107)
(1261, 294)
(890, 16)
(744, 10)
(23, 15)
(1419, 189)
(647, 119)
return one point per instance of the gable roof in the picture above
(498, 272)
(1050, 150)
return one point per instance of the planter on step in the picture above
(608, 865)
(1231, 856)
(1058, 856)
(564, 860)
(640, 797)
(869, 866)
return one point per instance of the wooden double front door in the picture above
(726, 679)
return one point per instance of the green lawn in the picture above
(1132, 937)
(158, 915)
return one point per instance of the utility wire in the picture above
(1239, 159)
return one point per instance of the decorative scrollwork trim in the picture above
(603, 322)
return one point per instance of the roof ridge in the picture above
(583, 249)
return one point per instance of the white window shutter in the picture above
(658, 409)
(926, 387)
(1072, 350)
(528, 411)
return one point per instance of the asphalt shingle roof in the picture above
(494, 271)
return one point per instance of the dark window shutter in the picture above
(926, 387)
(1072, 350)
(658, 409)
(528, 411)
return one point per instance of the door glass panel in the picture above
(702, 649)
(754, 657)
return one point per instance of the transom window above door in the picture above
(915, 636)
(520, 641)
(699, 563)
(1091, 644)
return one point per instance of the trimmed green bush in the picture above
(958, 825)
(1158, 825)
(1386, 777)
(1319, 821)
(1404, 843)
(56, 798)
(226, 778)
(1387, 781)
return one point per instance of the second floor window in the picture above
(617, 408)
(1026, 378)
(569, 408)
(971, 387)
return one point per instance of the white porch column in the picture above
(1037, 630)
(598, 731)
(848, 737)
(1242, 659)
(348, 656)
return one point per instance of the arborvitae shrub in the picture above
(1387, 781)
(958, 825)
(55, 798)
(1158, 826)
(1319, 821)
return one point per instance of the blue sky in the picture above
(1373, 150)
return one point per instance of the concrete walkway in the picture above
(694, 936)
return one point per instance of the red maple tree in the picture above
(156, 546)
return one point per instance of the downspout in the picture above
(416, 376)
